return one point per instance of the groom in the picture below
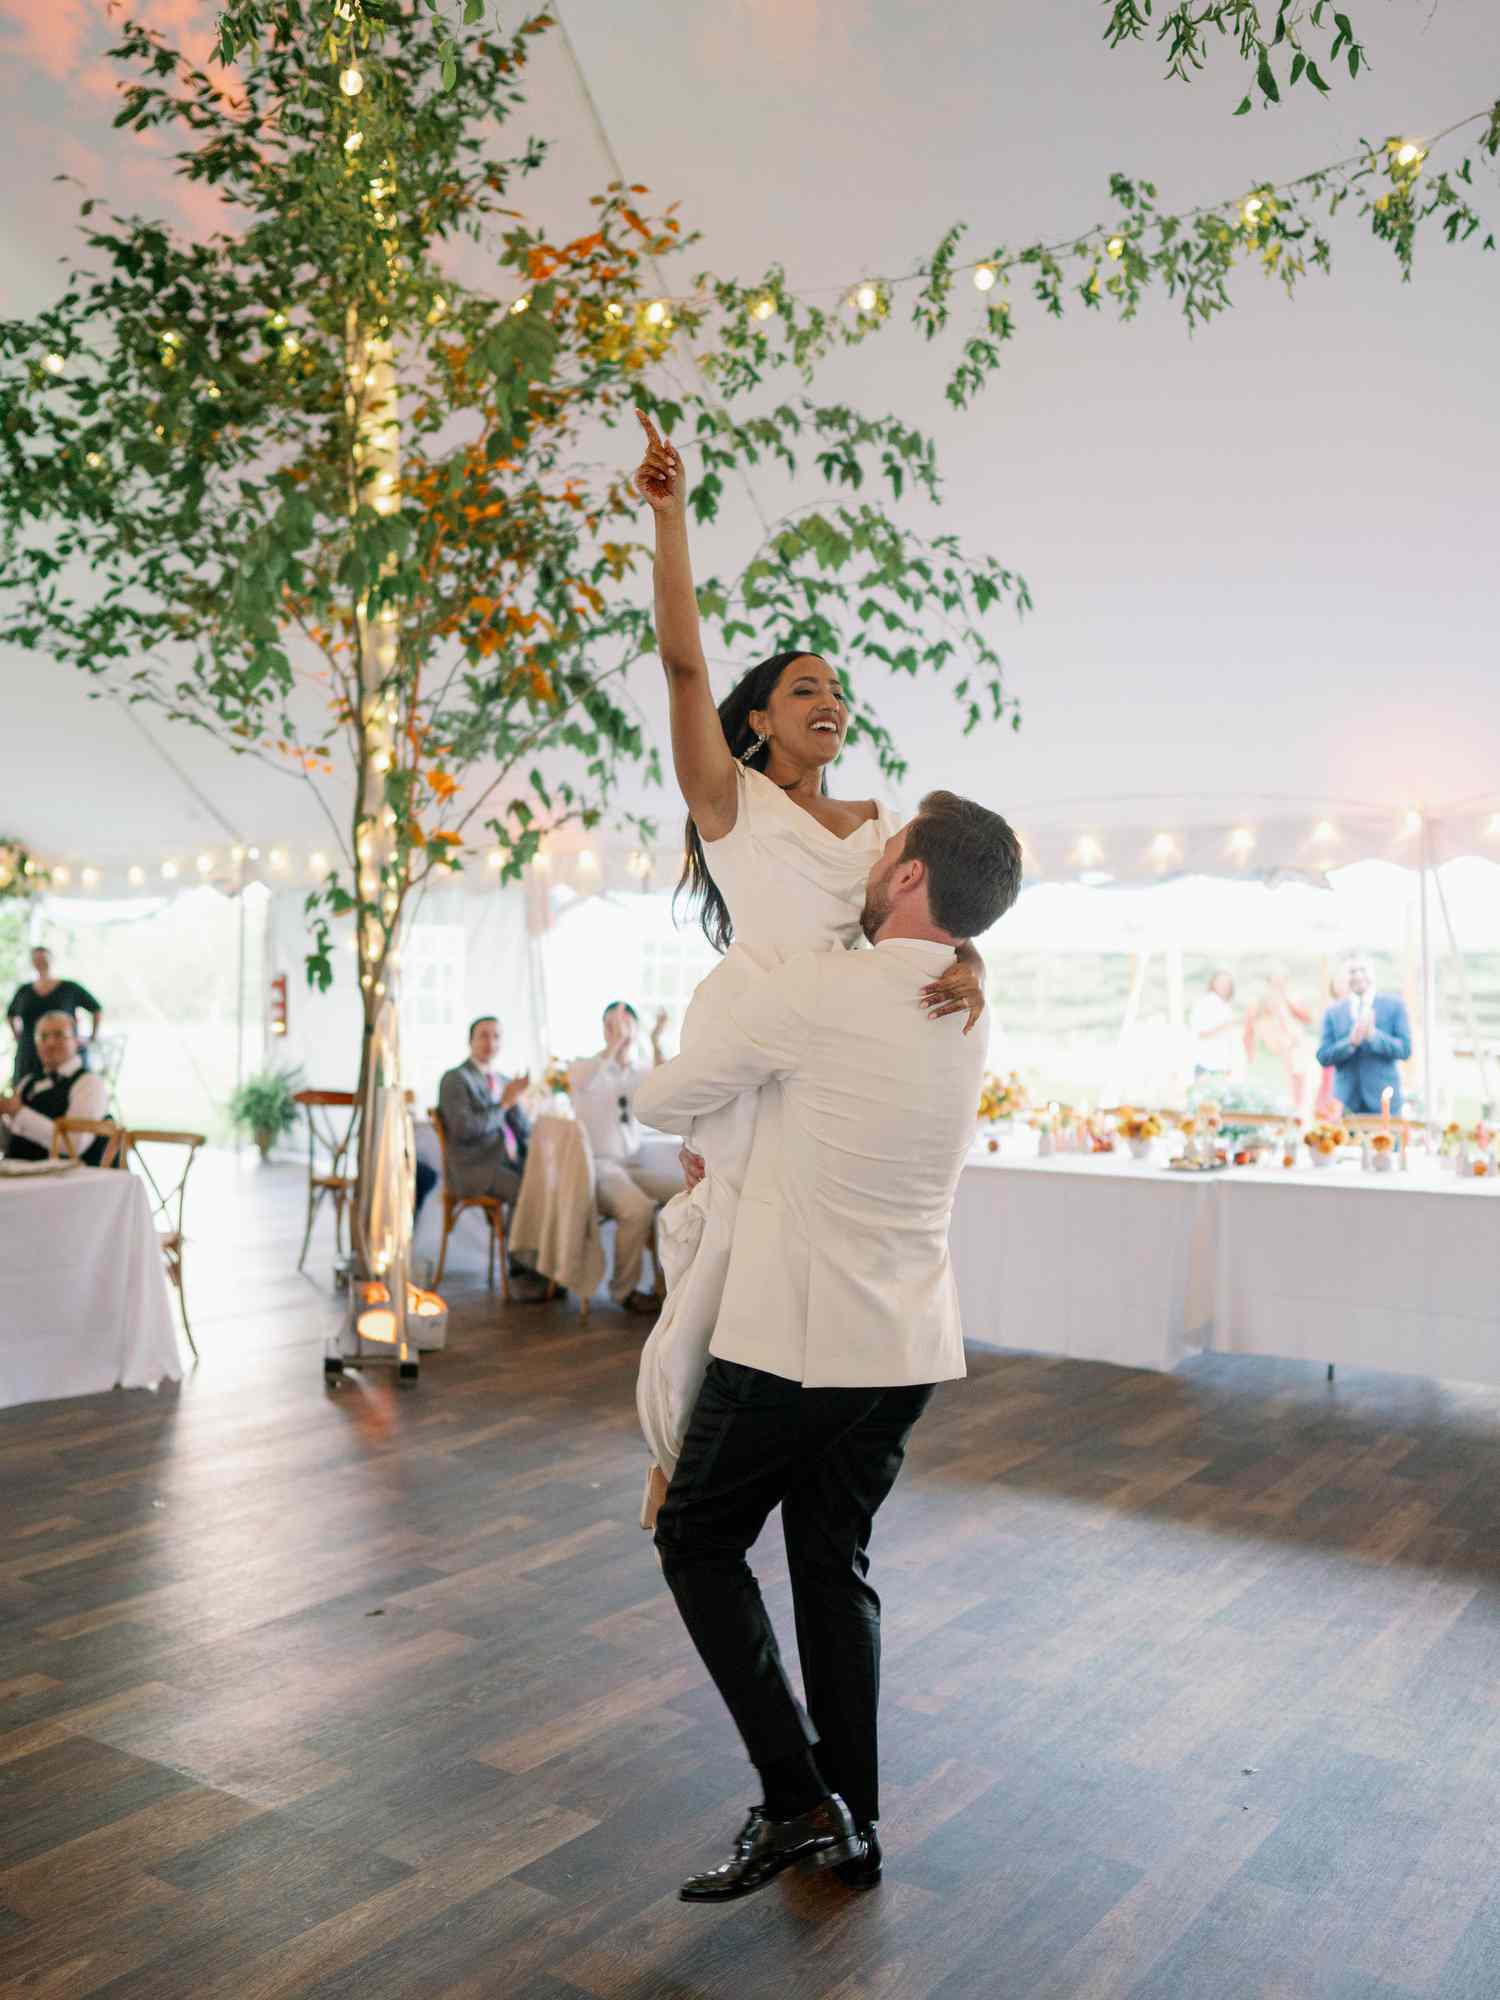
(839, 1316)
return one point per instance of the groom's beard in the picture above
(877, 908)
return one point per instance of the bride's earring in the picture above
(758, 745)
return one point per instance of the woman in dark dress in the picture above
(44, 994)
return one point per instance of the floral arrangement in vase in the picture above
(1475, 1158)
(1323, 1142)
(1138, 1129)
(555, 1078)
(1382, 1151)
(1001, 1099)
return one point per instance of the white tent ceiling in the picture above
(1263, 560)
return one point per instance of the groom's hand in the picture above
(694, 1167)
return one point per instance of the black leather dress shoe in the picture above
(864, 1871)
(766, 1847)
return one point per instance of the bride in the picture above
(774, 867)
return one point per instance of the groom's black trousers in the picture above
(827, 1457)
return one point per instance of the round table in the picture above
(84, 1300)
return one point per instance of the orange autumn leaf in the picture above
(442, 784)
(481, 607)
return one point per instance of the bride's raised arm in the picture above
(700, 756)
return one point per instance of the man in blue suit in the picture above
(1364, 1037)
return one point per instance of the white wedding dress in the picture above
(791, 886)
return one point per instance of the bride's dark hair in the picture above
(753, 691)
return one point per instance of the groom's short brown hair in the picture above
(973, 862)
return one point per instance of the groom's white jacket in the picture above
(839, 1276)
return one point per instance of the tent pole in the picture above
(1429, 1105)
(239, 999)
(1463, 980)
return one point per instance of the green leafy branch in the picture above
(1263, 38)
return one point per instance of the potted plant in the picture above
(266, 1106)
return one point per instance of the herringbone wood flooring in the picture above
(1192, 1685)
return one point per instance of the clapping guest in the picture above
(487, 1132)
(63, 1087)
(45, 994)
(603, 1089)
(1364, 1038)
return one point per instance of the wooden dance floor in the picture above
(1192, 1683)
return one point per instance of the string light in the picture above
(1413, 820)
(278, 858)
(169, 871)
(54, 364)
(1251, 210)
(236, 855)
(1410, 154)
(1241, 841)
(291, 345)
(1088, 851)
(205, 864)
(1163, 847)
(92, 460)
(253, 853)
(496, 858)
(985, 276)
(317, 862)
(90, 878)
(1115, 248)
(351, 82)
(866, 296)
(354, 141)
(763, 307)
(656, 312)
(614, 310)
(521, 305)
(1325, 830)
(212, 391)
(62, 875)
(278, 320)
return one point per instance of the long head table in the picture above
(84, 1303)
(1112, 1259)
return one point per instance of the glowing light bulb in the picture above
(169, 871)
(291, 345)
(614, 310)
(1410, 155)
(1413, 820)
(1115, 248)
(763, 307)
(1241, 840)
(278, 858)
(1163, 847)
(1325, 830)
(136, 877)
(521, 305)
(90, 878)
(1088, 851)
(354, 141)
(92, 460)
(253, 852)
(1252, 209)
(54, 364)
(205, 864)
(317, 862)
(656, 312)
(867, 297)
(351, 82)
(62, 875)
(984, 277)
(496, 858)
(212, 391)
(278, 320)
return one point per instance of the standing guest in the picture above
(1364, 1038)
(603, 1089)
(45, 994)
(1276, 1018)
(63, 1087)
(1212, 1023)
(487, 1133)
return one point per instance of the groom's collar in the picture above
(924, 950)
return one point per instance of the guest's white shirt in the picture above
(88, 1098)
(839, 1276)
(1212, 1050)
(603, 1090)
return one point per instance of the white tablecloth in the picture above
(1374, 1270)
(1102, 1259)
(1109, 1259)
(84, 1301)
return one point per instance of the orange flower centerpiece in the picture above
(1477, 1152)
(1001, 1099)
(1382, 1151)
(555, 1081)
(1138, 1129)
(1323, 1142)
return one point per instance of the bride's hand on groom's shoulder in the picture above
(959, 991)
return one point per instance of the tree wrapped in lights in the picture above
(302, 485)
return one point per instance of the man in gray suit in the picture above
(487, 1132)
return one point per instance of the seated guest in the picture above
(603, 1090)
(487, 1133)
(62, 1088)
(1364, 1037)
(45, 994)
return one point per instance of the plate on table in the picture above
(25, 1170)
(1197, 1167)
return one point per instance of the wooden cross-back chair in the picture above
(72, 1137)
(168, 1196)
(490, 1206)
(332, 1135)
